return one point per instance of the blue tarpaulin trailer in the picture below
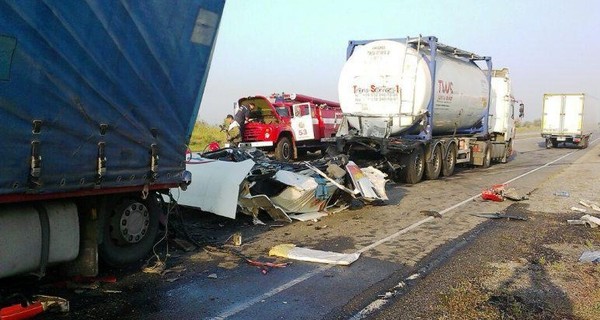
(97, 98)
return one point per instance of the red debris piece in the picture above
(19, 312)
(265, 266)
(495, 193)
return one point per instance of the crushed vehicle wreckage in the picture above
(246, 180)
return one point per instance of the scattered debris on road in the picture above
(512, 194)
(499, 192)
(590, 256)
(431, 213)
(562, 194)
(578, 209)
(38, 305)
(266, 266)
(499, 216)
(290, 251)
(494, 193)
(588, 220)
(246, 180)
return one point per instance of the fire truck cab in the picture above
(290, 124)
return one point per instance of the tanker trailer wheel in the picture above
(434, 166)
(283, 150)
(449, 161)
(415, 166)
(129, 229)
(487, 158)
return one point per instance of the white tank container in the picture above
(21, 251)
(385, 81)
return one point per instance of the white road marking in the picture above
(377, 304)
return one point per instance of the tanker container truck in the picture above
(568, 118)
(98, 100)
(417, 108)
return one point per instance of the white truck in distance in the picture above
(566, 118)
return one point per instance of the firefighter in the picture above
(233, 131)
(243, 115)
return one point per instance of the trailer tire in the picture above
(449, 161)
(434, 166)
(415, 166)
(284, 149)
(120, 248)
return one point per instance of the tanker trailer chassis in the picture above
(410, 160)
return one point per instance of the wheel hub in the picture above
(286, 152)
(134, 222)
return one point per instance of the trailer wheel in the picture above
(449, 161)
(415, 166)
(283, 151)
(434, 166)
(487, 158)
(129, 229)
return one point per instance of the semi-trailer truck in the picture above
(97, 103)
(418, 107)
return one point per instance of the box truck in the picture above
(567, 118)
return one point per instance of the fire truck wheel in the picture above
(129, 228)
(449, 161)
(434, 166)
(284, 151)
(415, 166)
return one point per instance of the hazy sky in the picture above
(267, 46)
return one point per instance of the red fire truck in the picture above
(290, 124)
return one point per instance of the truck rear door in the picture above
(552, 115)
(573, 113)
(302, 122)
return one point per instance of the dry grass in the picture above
(204, 134)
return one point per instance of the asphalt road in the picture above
(396, 242)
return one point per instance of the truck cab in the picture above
(501, 126)
(289, 125)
